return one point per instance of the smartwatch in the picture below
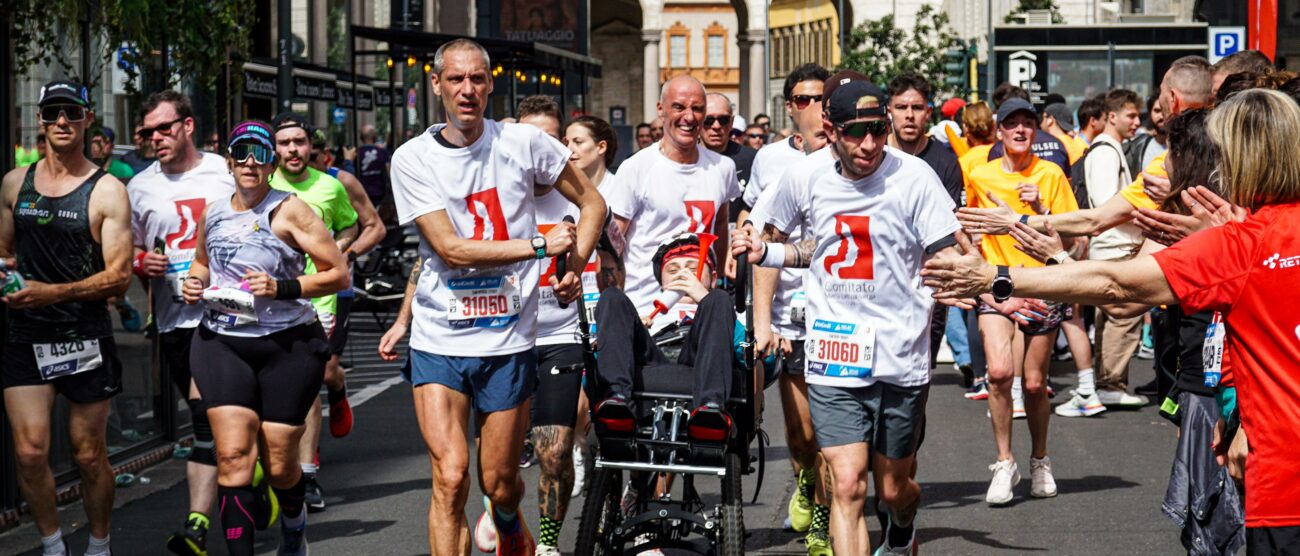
(539, 246)
(1002, 285)
(1024, 219)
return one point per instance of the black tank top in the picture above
(54, 245)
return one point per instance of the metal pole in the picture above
(426, 121)
(1110, 59)
(356, 123)
(85, 60)
(992, 61)
(284, 37)
(6, 101)
(392, 107)
(843, 34)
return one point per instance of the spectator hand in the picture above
(1038, 245)
(1209, 207)
(1156, 187)
(996, 221)
(954, 275)
(1166, 228)
(1030, 196)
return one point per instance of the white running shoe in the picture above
(1043, 485)
(485, 532)
(1080, 406)
(1017, 408)
(1122, 399)
(547, 550)
(579, 471)
(1006, 475)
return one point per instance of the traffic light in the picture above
(956, 66)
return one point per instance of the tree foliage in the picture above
(201, 36)
(881, 50)
(1027, 5)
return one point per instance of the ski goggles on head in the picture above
(858, 130)
(241, 152)
(50, 113)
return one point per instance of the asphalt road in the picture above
(1111, 471)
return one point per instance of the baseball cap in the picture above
(252, 131)
(1061, 113)
(290, 120)
(854, 100)
(63, 90)
(1013, 105)
(951, 107)
(843, 77)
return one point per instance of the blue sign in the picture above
(340, 115)
(1225, 41)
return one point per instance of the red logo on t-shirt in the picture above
(701, 215)
(854, 257)
(489, 221)
(189, 211)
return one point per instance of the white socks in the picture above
(1017, 390)
(1087, 384)
(97, 547)
(308, 468)
(53, 544)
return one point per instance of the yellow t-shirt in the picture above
(973, 157)
(957, 142)
(1135, 194)
(1075, 147)
(990, 179)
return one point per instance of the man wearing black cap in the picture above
(1058, 122)
(871, 218)
(68, 224)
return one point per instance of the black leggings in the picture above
(278, 376)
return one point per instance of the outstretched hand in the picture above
(996, 221)
(956, 275)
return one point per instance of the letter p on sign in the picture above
(1225, 41)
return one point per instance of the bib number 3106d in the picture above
(67, 358)
(840, 349)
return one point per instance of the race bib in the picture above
(840, 349)
(1212, 350)
(230, 306)
(67, 358)
(798, 307)
(178, 269)
(484, 301)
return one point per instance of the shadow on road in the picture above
(983, 538)
(941, 496)
(322, 530)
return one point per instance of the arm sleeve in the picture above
(414, 195)
(549, 157)
(1208, 269)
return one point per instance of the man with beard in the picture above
(101, 153)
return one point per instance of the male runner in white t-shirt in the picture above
(167, 199)
(676, 185)
(468, 186)
(873, 218)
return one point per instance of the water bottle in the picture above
(13, 281)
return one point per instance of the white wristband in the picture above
(774, 255)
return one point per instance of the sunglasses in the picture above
(722, 120)
(73, 113)
(756, 136)
(858, 130)
(260, 154)
(802, 101)
(146, 133)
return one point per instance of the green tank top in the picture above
(329, 200)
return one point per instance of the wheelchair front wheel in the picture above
(731, 537)
(602, 511)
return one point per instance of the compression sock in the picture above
(821, 520)
(1087, 382)
(53, 544)
(236, 505)
(550, 531)
(97, 547)
(899, 534)
(336, 396)
(1017, 391)
(506, 522)
(291, 502)
(806, 484)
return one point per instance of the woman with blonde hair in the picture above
(1246, 269)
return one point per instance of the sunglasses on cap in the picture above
(241, 152)
(722, 120)
(73, 113)
(802, 101)
(858, 130)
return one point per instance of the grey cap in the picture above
(1061, 113)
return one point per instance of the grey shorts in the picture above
(890, 418)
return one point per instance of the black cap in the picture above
(842, 77)
(1061, 113)
(63, 90)
(1013, 105)
(854, 100)
(289, 120)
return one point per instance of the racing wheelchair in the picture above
(626, 509)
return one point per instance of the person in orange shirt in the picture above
(1018, 333)
(977, 128)
(1059, 121)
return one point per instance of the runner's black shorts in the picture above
(339, 336)
(556, 399)
(278, 376)
(174, 354)
(95, 385)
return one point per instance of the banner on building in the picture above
(558, 23)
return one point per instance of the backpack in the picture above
(1079, 178)
(1135, 149)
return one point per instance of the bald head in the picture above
(1186, 85)
(682, 84)
(717, 122)
(681, 105)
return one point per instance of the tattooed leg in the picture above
(554, 445)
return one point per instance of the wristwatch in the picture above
(539, 245)
(1002, 285)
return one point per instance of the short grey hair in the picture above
(731, 108)
(459, 44)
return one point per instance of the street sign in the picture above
(1225, 41)
(340, 115)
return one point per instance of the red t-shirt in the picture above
(1250, 272)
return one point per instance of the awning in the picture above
(516, 54)
(311, 82)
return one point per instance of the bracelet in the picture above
(1024, 219)
(137, 265)
(288, 289)
(773, 255)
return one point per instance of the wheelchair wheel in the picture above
(731, 537)
(601, 512)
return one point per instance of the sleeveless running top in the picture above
(239, 241)
(53, 244)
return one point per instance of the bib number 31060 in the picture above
(840, 349)
(67, 358)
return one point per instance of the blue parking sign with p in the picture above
(1225, 41)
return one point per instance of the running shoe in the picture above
(1051, 391)
(579, 471)
(268, 505)
(314, 496)
(885, 549)
(1081, 406)
(1006, 475)
(800, 507)
(819, 544)
(340, 416)
(967, 374)
(130, 317)
(547, 550)
(1017, 408)
(293, 541)
(709, 423)
(978, 391)
(528, 456)
(518, 543)
(190, 540)
(1146, 353)
(1148, 389)
(1043, 485)
(485, 532)
(1121, 399)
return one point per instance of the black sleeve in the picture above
(947, 241)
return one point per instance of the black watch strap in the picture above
(1002, 285)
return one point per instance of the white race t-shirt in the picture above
(790, 303)
(771, 162)
(487, 191)
(662, 198)
(868, 312)
(557, 325)
(166, 208)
